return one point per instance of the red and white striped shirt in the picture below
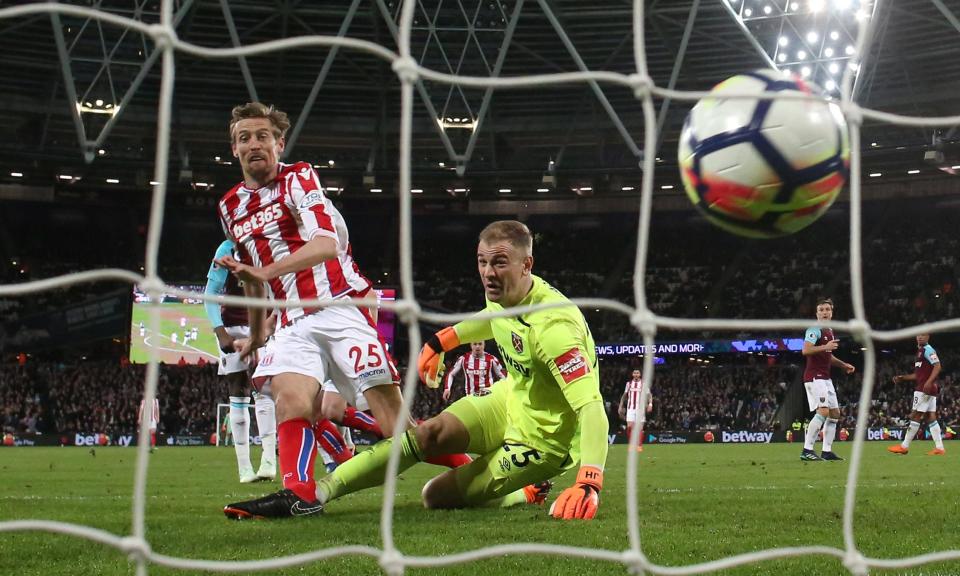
(633, 389)
(479, 373)
(154, 413)
(270, 223)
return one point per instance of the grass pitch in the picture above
(697, 503)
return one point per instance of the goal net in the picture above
(223, 433)
(405, 66)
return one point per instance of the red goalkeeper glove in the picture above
(581, 500)
(429, 365)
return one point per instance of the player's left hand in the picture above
(649, 408)
(430, 363)
(580, 501)
(849, 369)
(243, 271)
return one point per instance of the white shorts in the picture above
(821, 394)
(361, 405)
(631, 416)
(339, 344)
(924, 402)
(231, 363)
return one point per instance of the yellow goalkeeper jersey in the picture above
(551, 358)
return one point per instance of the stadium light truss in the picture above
(812, 39)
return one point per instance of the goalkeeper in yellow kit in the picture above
(544, 417)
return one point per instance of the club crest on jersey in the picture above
(517, 342)
(572, 365)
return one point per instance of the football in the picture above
(763, 168)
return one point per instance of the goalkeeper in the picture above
(542, 419)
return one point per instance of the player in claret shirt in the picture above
(926, 370)
(545, 417)
(229, 323)
(818, 346)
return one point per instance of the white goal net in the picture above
(390, 558)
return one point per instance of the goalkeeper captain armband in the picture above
(581, 500)
(430, 365)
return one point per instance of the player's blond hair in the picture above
(279, 119)
(512, 231)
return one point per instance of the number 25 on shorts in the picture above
(373, 358)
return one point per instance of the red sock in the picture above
(640, 438)
(153, 437)
(298, 449)
(332, 441)
(354, 418)
(450, 460)
(629, 432)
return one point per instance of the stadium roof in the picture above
(590, 136)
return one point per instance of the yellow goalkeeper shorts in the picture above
(484, 417)
(501, 468)
(504, 471)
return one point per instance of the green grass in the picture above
(697, 503)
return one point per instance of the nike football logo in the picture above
(299, 508)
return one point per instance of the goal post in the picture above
(222, 411)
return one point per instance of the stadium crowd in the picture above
(104, 397)
(689, 395)
(693, 270)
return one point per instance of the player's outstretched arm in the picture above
(313, 253)
(566, 348)
(582, 500)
